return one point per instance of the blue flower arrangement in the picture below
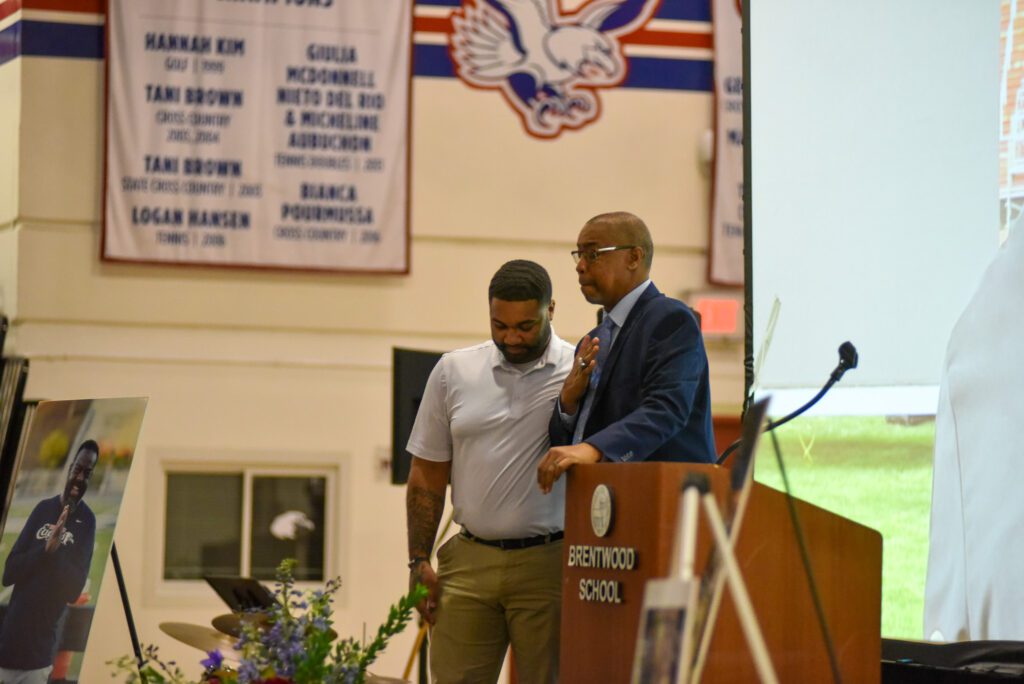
(292, 644)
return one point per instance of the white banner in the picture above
(726, 249)
(259, 133)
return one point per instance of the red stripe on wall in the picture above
(432, 24)
(80, 6)
(641, 37)
(669, 38)
(8, 8)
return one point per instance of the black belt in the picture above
(508, 544)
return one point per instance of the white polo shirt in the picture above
(490, 419)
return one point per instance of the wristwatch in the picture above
(415, 562)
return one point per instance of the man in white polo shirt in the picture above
(483, 423)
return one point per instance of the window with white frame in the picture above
(244, 521)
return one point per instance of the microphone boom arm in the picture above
(847, 360)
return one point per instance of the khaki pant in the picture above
(40, 676)
(490, 598)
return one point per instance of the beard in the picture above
(526, 352)
(73, 499)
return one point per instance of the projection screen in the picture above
(872, 182)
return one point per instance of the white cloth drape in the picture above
(975, 584)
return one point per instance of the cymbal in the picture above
(231, 623)
(203, 638)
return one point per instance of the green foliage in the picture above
(54, 448)
(350, 652)
(155, 670)
(877, 472)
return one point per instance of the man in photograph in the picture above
(47, 566)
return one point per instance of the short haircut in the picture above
(88, 445)
(520, 281)
(629, 230)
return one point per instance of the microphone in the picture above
(847, 361)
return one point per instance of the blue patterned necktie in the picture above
(603, 333)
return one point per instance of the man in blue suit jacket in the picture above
(639, 385)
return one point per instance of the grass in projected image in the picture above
(877, 472)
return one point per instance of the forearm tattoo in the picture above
(423, 509)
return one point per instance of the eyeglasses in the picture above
(591, 254)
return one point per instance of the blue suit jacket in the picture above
(653, 401)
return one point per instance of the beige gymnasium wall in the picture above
(271, 367)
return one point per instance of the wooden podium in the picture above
(603, 579)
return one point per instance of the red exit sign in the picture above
(719, 316)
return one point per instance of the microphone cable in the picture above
(847, 360)
(805, 558)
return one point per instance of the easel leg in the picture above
(127, 611)
(745, 609)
